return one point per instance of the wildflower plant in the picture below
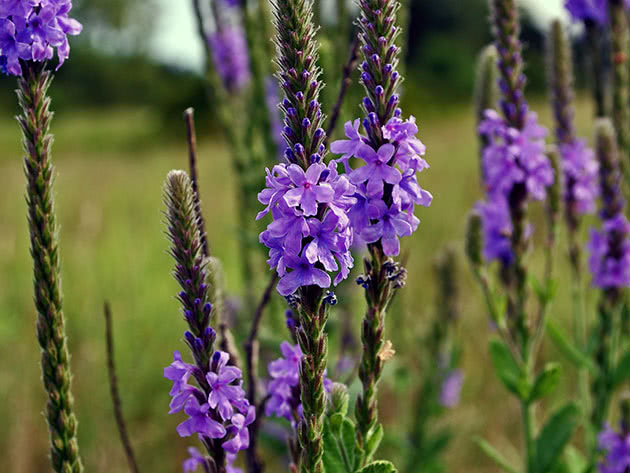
(517, 170)
(31, 33)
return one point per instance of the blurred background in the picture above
(118, 126)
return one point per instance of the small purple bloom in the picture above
(303, 274)
(377, 170)
(195, 460)
(616, 447)
(239, 428)
(200, 422)
(451, 389)
(348, 148)
(580, 175)
(178, 372)
(497, 230)
(223, 392)
(308, 190)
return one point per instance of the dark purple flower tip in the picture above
(291, 112)
(299, 149)
(188, 282)
(330, 298)
(319, 133)
(369, 106)
(188, 314)
(373, 120)
(388, 68)
(379, 91)
(316, 158)
(299, 96)
(382, 40)
(285, 103)
(365, 66)
(190, 338)
(210, 333)
(306, 123)
(393, 100)
(197, 301)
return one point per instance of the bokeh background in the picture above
(118, 128)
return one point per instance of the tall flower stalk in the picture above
(609, 264)
(310, 235)
(26, 47)
(218, 411)
(387, 192)
(580, 175)
(56, 374)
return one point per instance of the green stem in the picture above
(527, 412)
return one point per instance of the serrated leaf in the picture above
(380, 466)
(373, 442)
(554, 436)
(545, 382)
(566, 347)
(508, 370)
(622, 371)
(494, 455)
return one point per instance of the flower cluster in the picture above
(196, 459)
(220, 409)
(230, 56)
(617, 450)
(610, 253)
(284, 389)
(595, 11)
(310, 234)
(31, 30)
(609, 246)
(387, 189)
(511, 157)
(580, 175)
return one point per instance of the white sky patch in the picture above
(176, 42)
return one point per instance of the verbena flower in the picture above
(451, 388)
(590, 10)
(31, 30)
(284, 389)
(609, 246)
(387, 189)
(230, 56)
(497, 231)
(616, 448)
(515, 156)
(580, 174)
(309, 225)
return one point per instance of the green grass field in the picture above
(110, 166)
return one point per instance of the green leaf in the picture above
(566, 347)
(333, 458)
(545, 382)
(508, 370)
(575, 461)
(335, 422)
(373, 442)
(379, 466)
(622, 372)
(554, 436)
(494, 454)
(348, 443)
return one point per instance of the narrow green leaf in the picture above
(508, 370)
(348, 443)
(373, 442)
(545, 382)
(379, 466)
(554, 436)
(566, 347)
(494, 454)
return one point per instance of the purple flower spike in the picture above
(200, 422)
(223, 392)
(230, 57)
(31, 30)
(595, 11)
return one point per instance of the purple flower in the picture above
(451, 388)
(387, 188)
(609, 248)
(194, 461)
(230, 56)
(223, 392)
(348, 148)
(296, 243)
(32, 29)
(497, 230)
(590, 10)
(515, 156)
(303, 274)
(580, 174)
(178, 372)
(230, 468)
(377, 170)
(616, 447)
(240, 422)
(284, 387)
(308, 190)
(200, 421)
